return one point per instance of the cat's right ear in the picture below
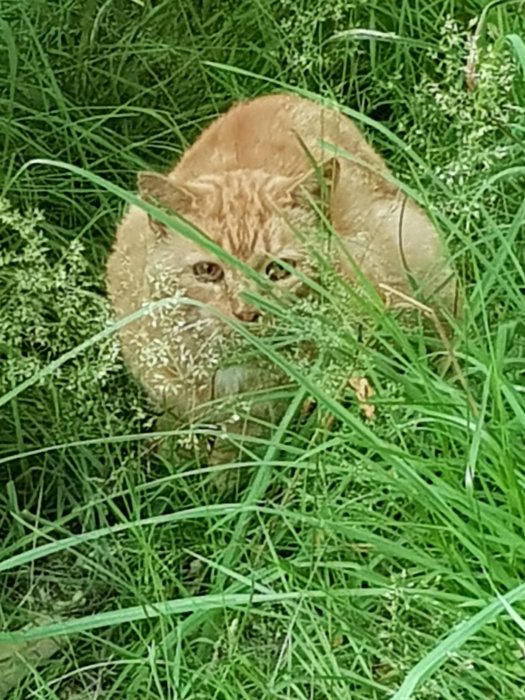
(157, 189)
(153, 186)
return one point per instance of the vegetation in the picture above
(356, 556)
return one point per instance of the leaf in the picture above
(454, 641)
(518, 46)
(17, 660)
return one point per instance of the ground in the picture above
(359, 554)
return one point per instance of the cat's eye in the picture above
(275, 271)
(208, 271)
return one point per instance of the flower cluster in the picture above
(464, 118)
(52, 306)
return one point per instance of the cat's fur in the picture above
(247, 182)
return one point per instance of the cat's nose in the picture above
(247, 315)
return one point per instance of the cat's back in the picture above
(271, 133)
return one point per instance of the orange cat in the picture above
(248, 182)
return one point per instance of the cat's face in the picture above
(254, 216)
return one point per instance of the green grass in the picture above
(350, 559)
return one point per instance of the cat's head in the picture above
(259, 218)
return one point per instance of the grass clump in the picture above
(355, 558)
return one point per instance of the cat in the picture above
(249, 183)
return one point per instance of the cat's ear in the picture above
(154, 187)
(157, 189)
(318, 183)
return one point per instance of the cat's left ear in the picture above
(154, 188)
(318, 183)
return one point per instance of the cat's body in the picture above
(246, 183)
